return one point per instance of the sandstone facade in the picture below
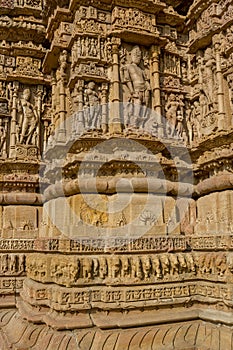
(116, 136)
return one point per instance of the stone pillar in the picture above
(104, 108)
(54, 107)
(199, 64)
(79, 124)
(39, 110)
(219, 77)
(155, 82)
(53, 85)
(62, 113)
(115, 113)
(14, 119)
(62, 98)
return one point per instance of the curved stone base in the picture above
(16, 333)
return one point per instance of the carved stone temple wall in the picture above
(116, 147)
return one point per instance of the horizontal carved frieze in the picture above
(144, 245)
(130, 269)
(59, 298)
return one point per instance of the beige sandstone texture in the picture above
(116, 146)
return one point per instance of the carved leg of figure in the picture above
(30, 132)
(168, 128)
(24, 130)
(96, 121)
(128, 114)
(173, 127)
(91, 116)
(137, 113)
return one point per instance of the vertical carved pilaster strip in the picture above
(4, 145)
(219, 77)
(115, 116)
(80, 121)
(104, 108)
(54, 85)
(155, 82)
(14, 120)
(62, 97)
(39, 107)
(200, 65)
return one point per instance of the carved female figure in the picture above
(29, 118)
(196, 117)
(92, 101)
(171, 115)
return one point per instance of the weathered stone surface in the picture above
(116, 174)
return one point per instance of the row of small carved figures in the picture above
(11, 264)
(147, 267)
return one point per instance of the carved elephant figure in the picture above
(125, 269)
(95, 267)
(4, 264)
(165, 264)
(13, 263)
(87, 268)
(115, 266)
(57, 271)
(146, 266)
(21, 263)
(72, 271)
(182, 263)
(103, 267)
(137, 268)
(221, 264)
(230, 262)
(191, 266)
(206, 263)
(209, 263)
(174, 264)
(156, 266)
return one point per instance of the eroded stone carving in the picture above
(137, 82)
(28, 119)
(159, 74)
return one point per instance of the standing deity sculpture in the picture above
(28, 120)
(92, 106)
(196, 118)
(179, 126)
(134, 77)
(189, 123)
(171, 109)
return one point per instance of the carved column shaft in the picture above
(62, 96)
(104, 107)
(220, 93)
(39, 110)
(199, 62)
(80, 105)
(14, 119)
(62, 112)
(155, 82)
(115, 118)
(53, 85)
